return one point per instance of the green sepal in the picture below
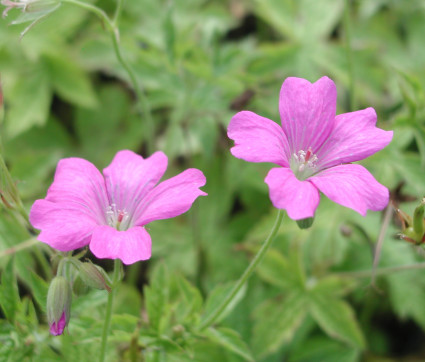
(305, 223)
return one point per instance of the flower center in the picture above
(118, 219)
(304, 164)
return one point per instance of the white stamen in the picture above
(118, 219)
(304, 163)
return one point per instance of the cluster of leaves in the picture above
(199, 62)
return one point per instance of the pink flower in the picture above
(314, 149)
(109, 212)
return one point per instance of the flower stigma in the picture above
(304, 164)
(116, 218)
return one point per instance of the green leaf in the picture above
(9, 297)
(216, 297)
(231, 340)
(191, 295)
(69, 81)
(319, 349)
(39, 288)
(301, 20)
(29, 102)
(156, 296)
(113, 123)
(276, 322)
(336, 318)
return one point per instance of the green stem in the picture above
(347, 26)
(117, 12)
(143, 104)
(380, 271)
(22, 246)
(106, 325)
(247, 273)
(377, 250)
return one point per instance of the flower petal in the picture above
(129, 178)
(353, 138)
(299, 198)
(352, 186)
(130, 246)
(79, 183)
(307, 111)
(171, 197)
(64, 227)
(258, 139)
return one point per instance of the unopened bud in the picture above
(1, 104)
(58, 305)
(94, 276)
(418, 218)
(413, 228)
(79, 287)
(305, 223)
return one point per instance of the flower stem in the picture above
(247, 273)
(111, 25)
(117, 12)
(380, 271)
(22, 246)
(347, 27)
(106, 325)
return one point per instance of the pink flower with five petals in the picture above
(314, 149)
(108, 212)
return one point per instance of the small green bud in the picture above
(413, 228)
(1, 104)
(59, 299)
(94, 276)
(79, 287)
(305, 223)
(178, 330)
(418, 218)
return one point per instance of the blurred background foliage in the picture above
(200, 62)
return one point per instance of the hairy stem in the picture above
(349, 52)
(111, 25)
(377, 252)
(106, 325)
(22, 246)
(247, 273)
(380, 271)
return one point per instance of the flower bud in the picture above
(305, 223)
(1, 104)
(79, 287)
(413, 228)
(94, 276)
(418, 218)
(58, 305)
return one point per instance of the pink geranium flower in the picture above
(109, 212)
(314, 149)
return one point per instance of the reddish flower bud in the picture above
(58, 305)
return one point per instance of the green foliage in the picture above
(199, 62)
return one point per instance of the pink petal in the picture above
(352, 186)
(78, 182)
(307, 111)
(299, 198)
(58, 327)
(354, 138)
(258, 139)
(130, 246)
(171, 197)
(64, 227)
(129, 178)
